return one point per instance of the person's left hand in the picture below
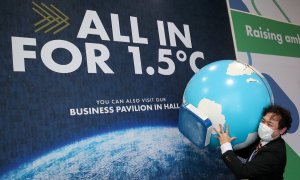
(224, 135)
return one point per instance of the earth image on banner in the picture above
(139, 153)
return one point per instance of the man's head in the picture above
(277, 118)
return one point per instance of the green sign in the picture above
(265, 36)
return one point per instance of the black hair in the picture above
(285, 116)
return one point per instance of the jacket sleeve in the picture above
(263, 163)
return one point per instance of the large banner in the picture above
(91, 89)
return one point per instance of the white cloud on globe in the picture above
(214, 112)
(250, 139)
(238, 69)
(250, 80)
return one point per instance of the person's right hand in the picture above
(223, 136)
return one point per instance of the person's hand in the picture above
(224, 135)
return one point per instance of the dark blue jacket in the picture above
(268, 163)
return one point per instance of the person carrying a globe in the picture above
(266, 158)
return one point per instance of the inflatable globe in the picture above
(233, 93)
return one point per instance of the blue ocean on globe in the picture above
(233, 93)
(139, 153)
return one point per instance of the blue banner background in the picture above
(35, 104)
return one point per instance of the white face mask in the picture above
(265, 132)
